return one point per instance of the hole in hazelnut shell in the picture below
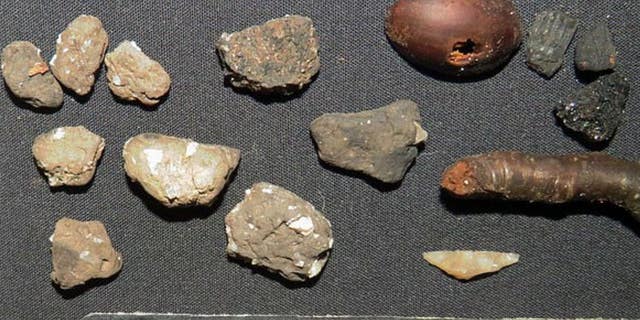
(465, 47)
(462, 53)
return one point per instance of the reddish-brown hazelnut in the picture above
(455, 37)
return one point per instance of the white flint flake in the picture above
(84, 255)
(303, 225)
(154, 157)
(135, 45)
(466, 264)
(58, 134)
(192, 147)
(86, 45)
(315, 269)
(116, 80)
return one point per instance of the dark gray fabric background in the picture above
(582, 264)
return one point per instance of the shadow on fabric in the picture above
(537, 209)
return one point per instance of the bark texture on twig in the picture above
(515, 175)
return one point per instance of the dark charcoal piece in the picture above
(380, 143)
(280, 56)
(596, 110)
(549, 37)
(595, 50)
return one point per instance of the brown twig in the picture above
(515, 175)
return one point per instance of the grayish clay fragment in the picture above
(381, 143)
(80, 251)
(179, 172)
(68, 156)
(549, 37)
(27, 76)
(133, 76)
(280, 56)
(466, 264)
(80, 49)
(275, 229)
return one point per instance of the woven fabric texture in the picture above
(577, 260)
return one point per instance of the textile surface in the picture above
(577, 260)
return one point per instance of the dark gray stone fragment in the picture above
(280, 56)
(380, 143)
(275, 229)
(596, 110)
(549, 37)
(28, 77)
(595, 50)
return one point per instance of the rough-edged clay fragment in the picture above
(27, 76)
(596, 110)
(280, 56)
(179, 172)
(275, 229)
(80, 251)
(80, 49)
(549, 37)
(134, 76)
(464, 265)
(595, 50)
(68, 156)
(380, 142)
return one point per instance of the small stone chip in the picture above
(80, 49)
(549, 37)
(80, 251)
(68, 156)
(464, 265)
(596, 110)
(280, 56)
(595, 51)
(275, 229)
(27, 76)
(134, 76)
(380, 143)
(179, 172)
